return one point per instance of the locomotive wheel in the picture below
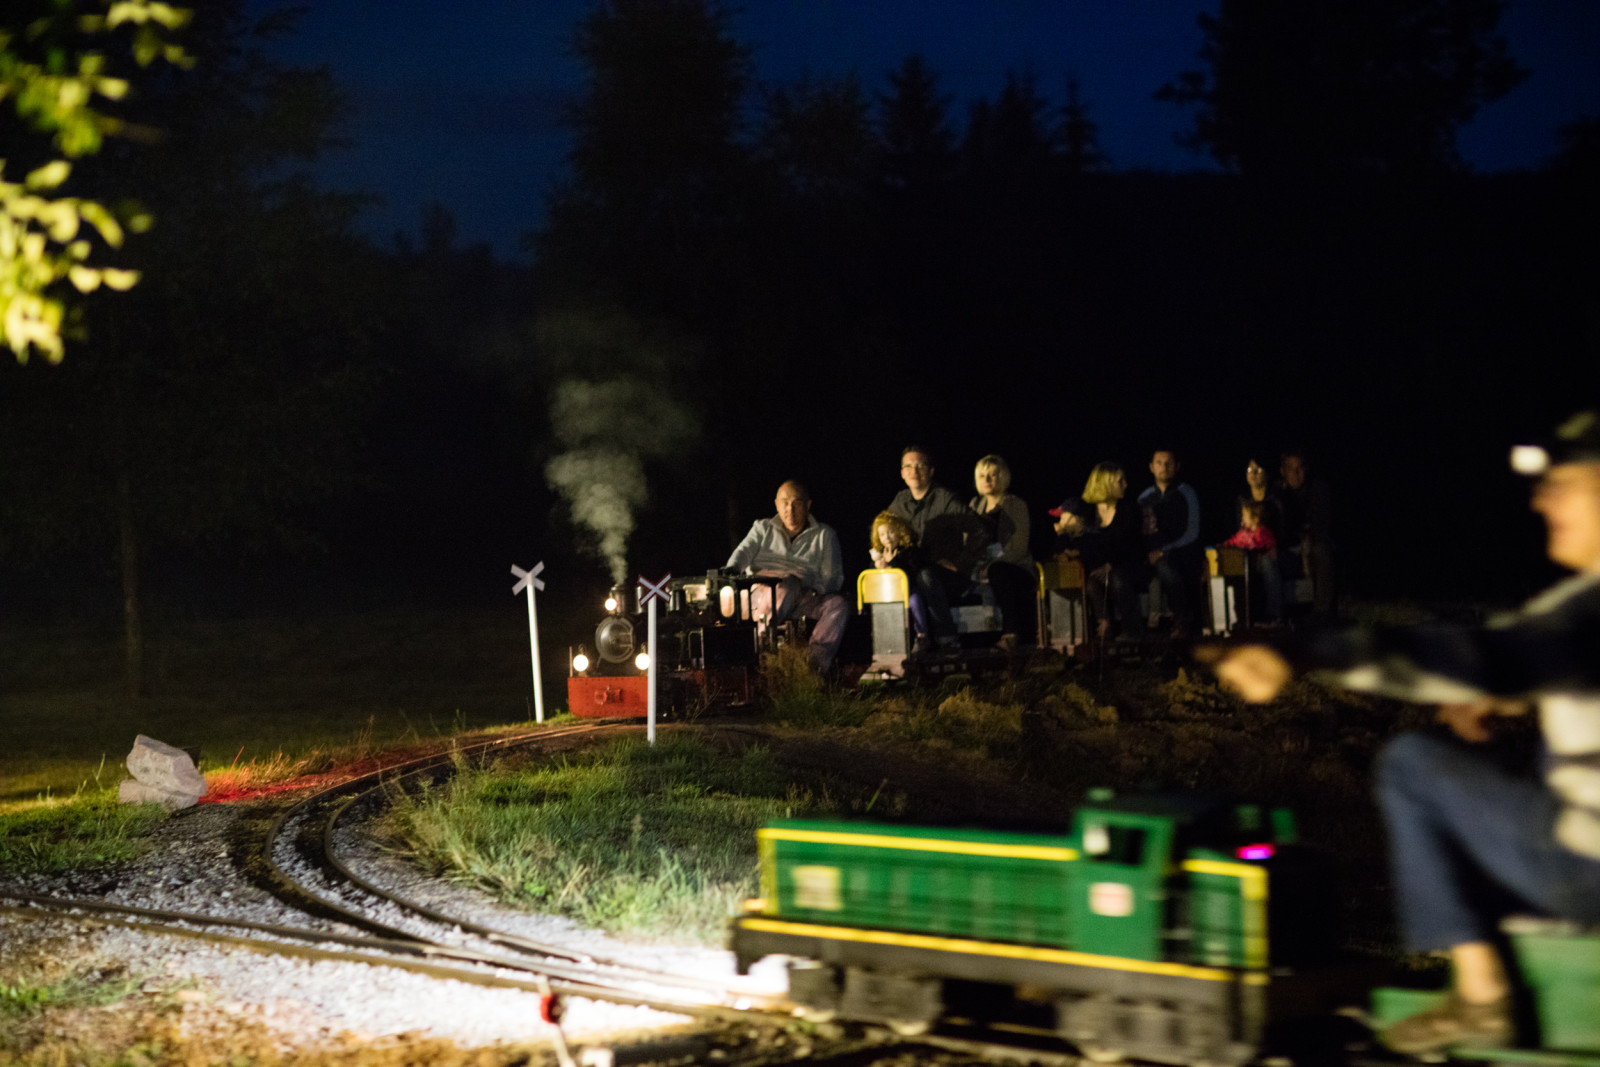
(816, 1015)
(1102, 1053)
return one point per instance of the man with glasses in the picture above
(951, 536)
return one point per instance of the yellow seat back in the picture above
(882, 585)
(1232, 562)
(1060, 574)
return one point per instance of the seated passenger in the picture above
(1007, 565)
(1172, 535)
(1109, 541)
(1476, 834)
(1255, 536)
(894, 544)
(794, 546)
(951, 536)
(1257, 489)
(1307, 540)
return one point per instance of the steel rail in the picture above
(58, 910)
(501, 938)
(346, 796)
(291, 891)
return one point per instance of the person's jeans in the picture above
(1269, 576)
(828, 611)
(1113, 591)
(1016, 594)
(932, 589)
(1177, 571)
(1471, 841)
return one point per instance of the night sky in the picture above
(461, 102)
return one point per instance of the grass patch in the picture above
(85, 831)
(248, 691)
(988, 725)
(28, 996)
(798, 696)
(631, 838)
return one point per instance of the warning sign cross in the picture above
(653, 590)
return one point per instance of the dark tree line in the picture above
(865, 266)
(821, 272)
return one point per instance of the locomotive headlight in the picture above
(642, 661)
(580, 662)
(727, 601)
(611, 603)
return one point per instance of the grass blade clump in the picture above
(26, 996)
(89, 831)
(798, 696)
(960, 721)
(630, 838)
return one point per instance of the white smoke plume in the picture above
(609, 429)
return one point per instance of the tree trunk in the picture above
(128, 550)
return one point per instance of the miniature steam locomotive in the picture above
(1166, 928)
(707, 643)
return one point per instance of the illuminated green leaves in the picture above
(58, 94)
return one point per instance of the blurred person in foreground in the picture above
(794, 546)
(1472, 838)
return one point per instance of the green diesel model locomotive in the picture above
(1170, 928)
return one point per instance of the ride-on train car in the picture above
(1167, 928)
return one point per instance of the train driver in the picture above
(805, 553)
(1470, 838)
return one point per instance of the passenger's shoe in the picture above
(1453, 1024)
(948, 643)
(922, 645)
(1008, 643)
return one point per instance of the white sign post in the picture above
(652, 593)
(530, 581)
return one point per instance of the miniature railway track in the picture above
(297, 860)
(353, 920)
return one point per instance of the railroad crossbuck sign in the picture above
(529, 580)
(650, 592)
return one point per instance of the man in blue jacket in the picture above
(1172, 533)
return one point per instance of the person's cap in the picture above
(1575, 441)
(1068, 506)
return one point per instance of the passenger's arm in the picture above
(1016, 545)
(744, 556)
(1191, 528)
(832, 564)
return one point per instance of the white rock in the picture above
(133, 791)
(158, 764)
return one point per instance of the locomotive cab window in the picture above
(1109, 843)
